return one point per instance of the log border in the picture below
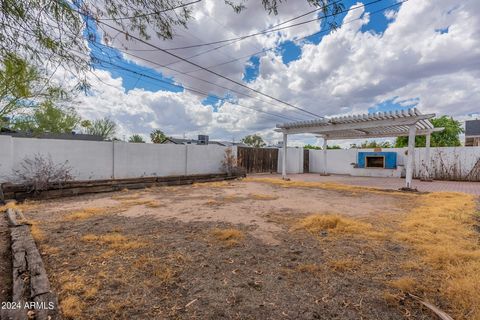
(73, 188)
(30, 281)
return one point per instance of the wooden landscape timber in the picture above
(31, 288)
(72, 188)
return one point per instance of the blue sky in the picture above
(289, 50)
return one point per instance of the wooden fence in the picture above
(257, 160)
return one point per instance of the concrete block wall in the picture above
(294, 160)
(93, 160)
(450, 163)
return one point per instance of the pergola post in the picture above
(410, 156)
(284, 157)
(325, 172)
(427, 156)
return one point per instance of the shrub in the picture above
(40, 172)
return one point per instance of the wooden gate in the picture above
(257, 160)
(306, 160)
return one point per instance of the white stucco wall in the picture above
(294, 160)
(103, 160)
(148, 160)
(89, 159)
(204, 159)
(446, 163)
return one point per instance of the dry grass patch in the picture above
(214, 184)
(49, 250)
(258, 196)
(228, 237)
(344, 265)
(124, 196)
(24, 206)
(155, 267)
(85, 214)
(36, 231)
(321, 185)
(308, 268)
(441, 229)
(333, 223)
(71, 307)
(141, 202)
(114, 241)
(406, 284)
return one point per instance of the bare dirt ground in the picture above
(233, 250)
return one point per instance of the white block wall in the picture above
(92, 160)
(446, 163)
(294, 160)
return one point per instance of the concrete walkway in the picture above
(386, 183)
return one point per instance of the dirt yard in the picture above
(260, 249)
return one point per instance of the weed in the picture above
(343, 265)
(36, 231)
(229, 237)
(114, 241)
(308, 268)
(333, 223)
(257, 196)
(405, 284)
(441, 230)
(71, 307)
(85, 214)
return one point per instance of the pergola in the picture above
(373, 125)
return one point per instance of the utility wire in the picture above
(269, 30)
(191, 76)
(144, 14)
(302, 38)
(210, 71)
(143, 75)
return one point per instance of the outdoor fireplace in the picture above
(374, 162)
(377, 160)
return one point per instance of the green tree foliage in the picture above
(106, 128)
(309, 146)
(371, 145)
(23, 87)
(157, 136)
(49, 118)
(254, 140)
(54, 32)
(446, 138)
(136, 138)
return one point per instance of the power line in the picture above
(274, 26)
(190, 89)
(144, 14)
(302, 38)
(212, 72)
(269, 30)
(191, 76)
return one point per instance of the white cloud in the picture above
(349, 71)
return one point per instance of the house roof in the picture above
(60, 136)
(372, 125)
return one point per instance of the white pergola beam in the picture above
(369, 124)
(386, 134)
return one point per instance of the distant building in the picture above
(203, 140)
(472, 133)
(60, 136)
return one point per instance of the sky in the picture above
(385, 55)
